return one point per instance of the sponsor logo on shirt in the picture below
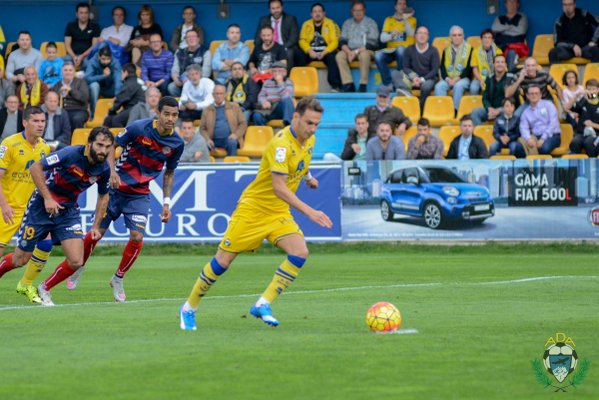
(280, 154)
(2, 151)
(53, 159)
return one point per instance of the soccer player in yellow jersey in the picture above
(17, 153)
(263, 213)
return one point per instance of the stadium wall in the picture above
(46, 20)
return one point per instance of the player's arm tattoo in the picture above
(167, 182)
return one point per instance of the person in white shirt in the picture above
(196, 94)
(119, 33)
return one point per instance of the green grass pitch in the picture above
(480, 322)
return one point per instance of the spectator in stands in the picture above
(425, 145)
(357, 137)
(285, 31)
(275, 100)
(58, 126)
(385, 146)
(139, 42)
(131, 94)
(420, 67)
(50, 70)
(493, 93)
(196, 94)
(467, 146)
(456, 67)
(358, 41)
(539, 125)
(573, 33)
(6, 88)
(196, 149)
(231, 51)
(397, 34)
(264, 56)
(156, 65)
(506, 129)
(571, 93)
(149, 109)
(483, 58)
(22, 57)
(11, 118)
(319, 39)
(117, 35)
(223, 125)
(103, 77)
(587, 108)
(510, 32)
(32, 92)
(74, 96)
(189, 24)
(242, 90)
(80, 36)
(531, 75)
(193, 54)
(384, 111)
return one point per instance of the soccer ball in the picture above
(383, 317)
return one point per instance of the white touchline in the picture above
(332, 290)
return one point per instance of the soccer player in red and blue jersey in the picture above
(53, 207)
(148, 145)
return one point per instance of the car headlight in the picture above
(451, 191)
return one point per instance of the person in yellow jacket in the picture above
(483, 58)
(319, 39)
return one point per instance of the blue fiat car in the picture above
(436, 194)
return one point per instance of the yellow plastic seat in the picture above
(214, 44)
(218, 152)
(250, 43)
(236, 159)
(255, 141)
(441, 43)
(80, 136)
(485, 132)
(557, 72)
(468, 104)
(102, 107)
(541, 47)
(539, 157)
(591, 71)
(439, 110)
(503, 157)
(10, 46)
(305, 81)
(474, 41)
(212, 159)
(317, 64)
(409, 134)
(575, 156)
(410, 106)
(447, 134)
(61, 50)
(565, 139)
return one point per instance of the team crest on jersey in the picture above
(310, 150)
(166, 150)
(43, 154)
(280, 154)
(2, 151)
(52, 159)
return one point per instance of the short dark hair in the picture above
(167, 101)
(233, 26)
(360, 115)
(466, 117)
(187, 120)
(130, 69)
(29, 111)
(389, 123)
(510, 100)
(267, 27)
(316, 5)
(119, 8)
(275, 1)
(100, 130)
(24, 33)
(565, 77)
(82, 5)
(424, 122)
(360, 2)
(105, 52)
(188, 7)
(487, 31)
(240, 63)
(308, 103)
(592, 82)
(51, 44)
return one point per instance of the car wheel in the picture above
(386, 212)
(433, 217)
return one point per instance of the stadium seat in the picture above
(9, 47)
(410, 133)
(439, 110)
(80, 136)
(447, 134)
(565, 139)
(214, 44)
(485, 132)
(61, 50)
(539, 157)
(541, 47)
(441, 43)
(410, 105)
(218, 152)
(467, 104)
(236, 159)
(503, 157)
(212, 159)
(317, 64)
(557, 72)
(305, 81)
(102, 107)
(250, 43)
(574, 156)
(474, 41)
(255, 141)
(591, 71)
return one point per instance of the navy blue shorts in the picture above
(133, 207)
(37, 224)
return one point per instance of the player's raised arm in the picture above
(37, 174)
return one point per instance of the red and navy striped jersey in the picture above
(69, 173)
(145, 152)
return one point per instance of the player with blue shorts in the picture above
(148, 145)
(53, 207)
